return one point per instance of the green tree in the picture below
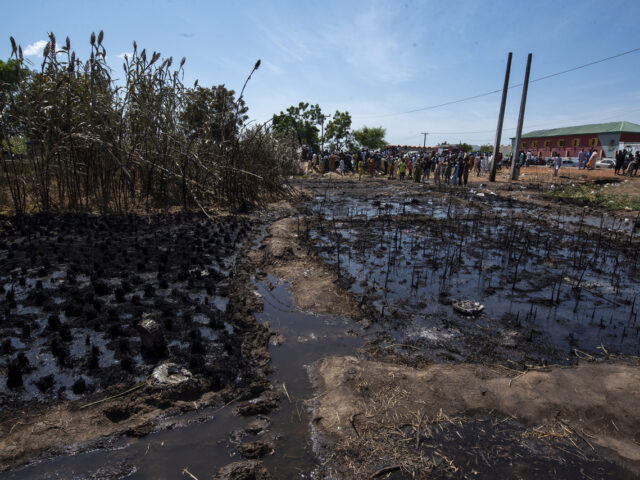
(339, 130)
(9, 82)
(466, 147)
(371, 138)
(210, 113)
(300, 122)
(486, 148)
(9, 74)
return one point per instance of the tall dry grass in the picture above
(142, 142)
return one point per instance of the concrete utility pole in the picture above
(424, 142)
(496, 148)
(515, 170)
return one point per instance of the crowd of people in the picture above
(453, 167)
(626, 163)
(448, 167)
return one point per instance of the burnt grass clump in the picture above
(557, 284)
(74, 289)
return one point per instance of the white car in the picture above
(605, 163)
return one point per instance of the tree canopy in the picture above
(9, 73)
(465, 147)
(371, 138)
(300, 122)
(339, 130)
(486, 148)
(213, 113)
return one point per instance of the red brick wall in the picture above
(630, 137)
(583, 141)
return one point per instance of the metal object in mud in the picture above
(468, 307)
(170, 374)
(151, 334)
(243, 470)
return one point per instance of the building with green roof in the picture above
(603, 138)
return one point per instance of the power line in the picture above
(431, 107)
(616, 115)
(466, 99)
(581, 66)
(535, 124)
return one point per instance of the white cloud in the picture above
(35, 49)
(272, 67)
(124, 55)
(373, 45)
(290, 48)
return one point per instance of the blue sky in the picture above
(375, 58)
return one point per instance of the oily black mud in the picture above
(91, 305)
(555, 284)
(404, 252)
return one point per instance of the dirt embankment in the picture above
(313, 282)
(597, 191)
(388, 416)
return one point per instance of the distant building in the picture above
(406, 148)
(446, 148)
(604, 138)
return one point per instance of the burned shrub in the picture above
(65, 332)
(23, 361)
(119, 293)
(97, 305)
(101, 289)
(6, 347)
(60, 351)
(93, 360)
(112, 315)
(44, 383)
(53, 323)
(114, 330)
(26, 331)
(196, 342)
(14, 374)
(127, 364)
(39, 298)
(168, 323)
(149, 291)
(70, 310)
(123, 345)
(196, 363)
(79, 386)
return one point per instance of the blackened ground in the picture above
(90, 305)
(556, 283)
(74, 289)
(407, 300)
